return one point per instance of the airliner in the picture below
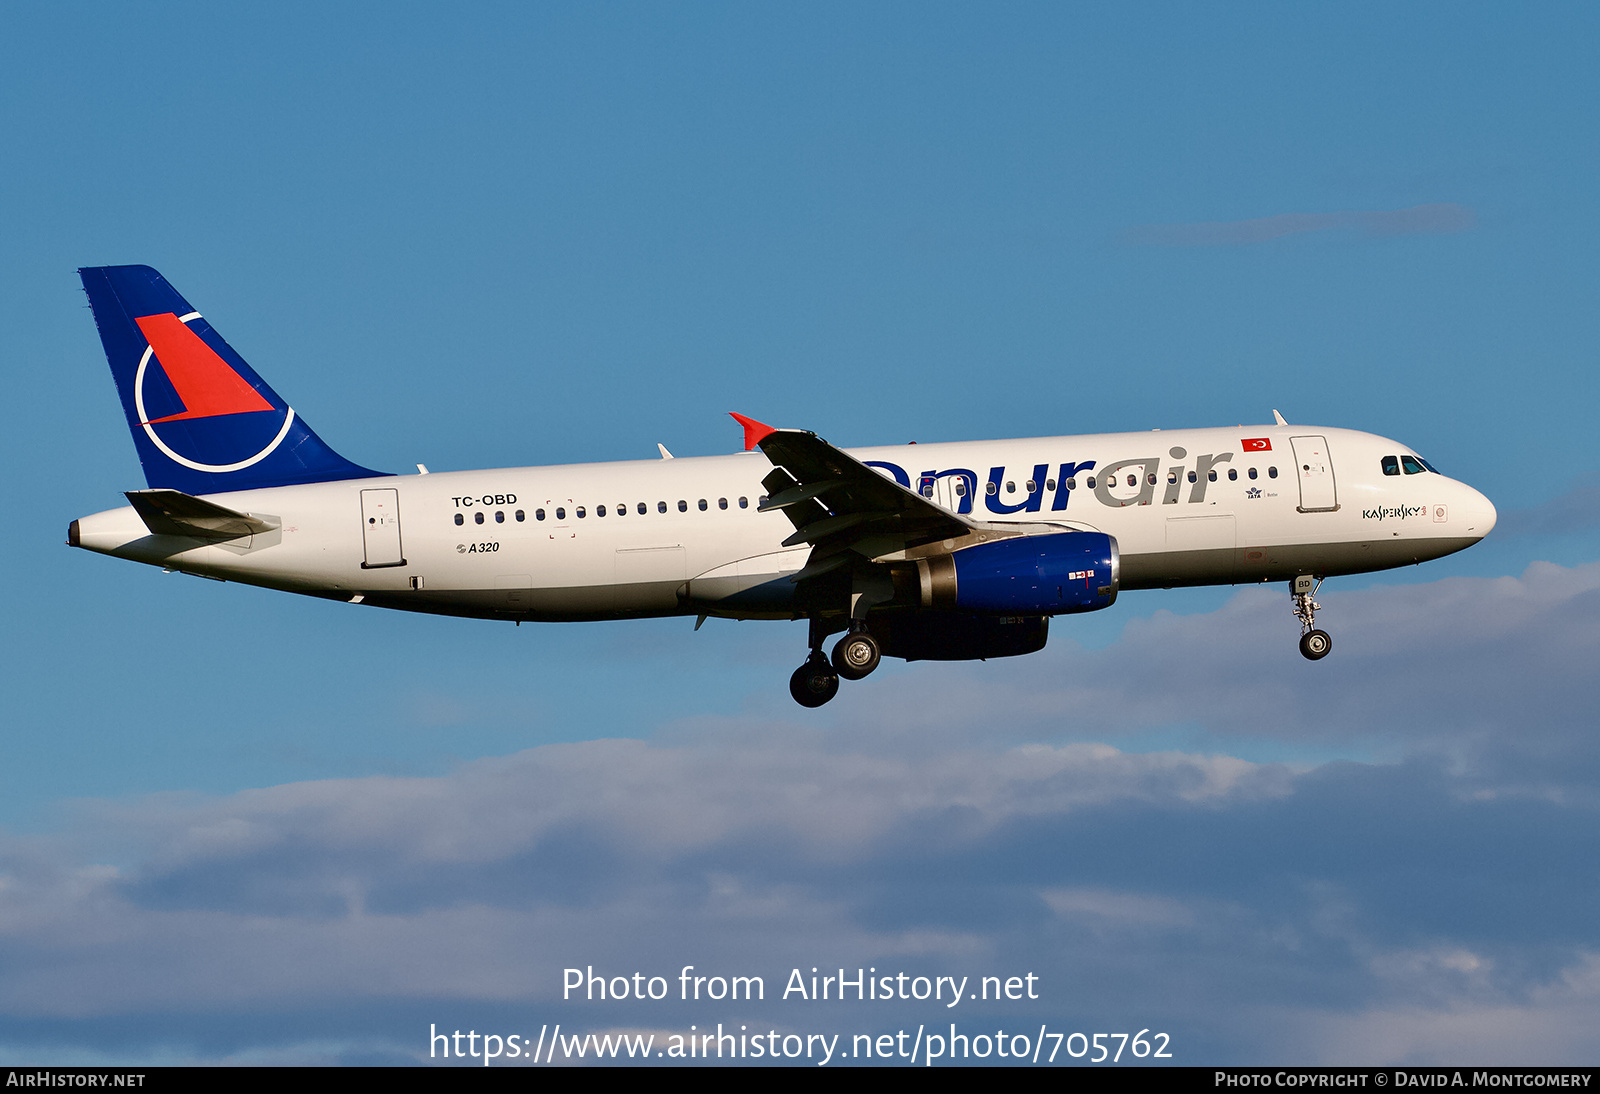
(941, 552)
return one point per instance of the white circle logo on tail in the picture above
(205, 368)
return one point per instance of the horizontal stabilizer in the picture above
(174, 513)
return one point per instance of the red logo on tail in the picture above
(206, 384)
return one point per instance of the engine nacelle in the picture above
(957, 636)
(1026, 575)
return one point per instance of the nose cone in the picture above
(1479, 512)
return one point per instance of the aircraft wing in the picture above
(838, 504)
(174, 513)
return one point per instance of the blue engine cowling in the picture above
(1026, 575)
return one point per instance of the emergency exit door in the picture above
(380, 528)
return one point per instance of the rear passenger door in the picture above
(380, 529)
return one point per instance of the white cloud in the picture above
(1117, 909)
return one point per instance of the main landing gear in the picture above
(1314, 644)
(854, 657)
(814, 682)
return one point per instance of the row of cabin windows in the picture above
(599, 510)
(1133, 480)
(1412, 465)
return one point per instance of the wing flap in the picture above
(817, 531)
(835, 501)
(794, 495)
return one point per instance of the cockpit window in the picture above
(1428, 465)
(1391, 465)
(1412, 465)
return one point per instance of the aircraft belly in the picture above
(1167, 569)
(1280, 562)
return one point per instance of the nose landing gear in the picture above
(1314, 644)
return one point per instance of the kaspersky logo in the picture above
(208, 388)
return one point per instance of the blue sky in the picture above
(243, 826)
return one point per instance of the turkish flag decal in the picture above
(1256, 444)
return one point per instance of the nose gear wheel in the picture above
(1315, 645)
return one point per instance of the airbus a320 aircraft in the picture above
(925, 552)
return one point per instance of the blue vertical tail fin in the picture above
(201, 418)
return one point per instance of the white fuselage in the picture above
(570, 542)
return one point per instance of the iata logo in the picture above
(206, 387)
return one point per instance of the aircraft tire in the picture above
(814, 682)
(1315, 645)
(856, 655)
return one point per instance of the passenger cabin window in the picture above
(561, 512)
(1195, 478)
(1233, 474)
(499, 516)
(1011, 488)
(599, 510)
(477, 518)
(538, 514)
(1272, 472)
(722, 503)
(961, 488)
(643, 508)
(1090, 481)
(581, 513)
(1391, 465)
(521, 516)
(460, 519)
(1252, 472)
(622, 510)
(702, 505)
(1050, 484)
(991, 489)
(1211, 476)
(683, 506)
(744, 503)
(661, 507)
(1412, 465)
